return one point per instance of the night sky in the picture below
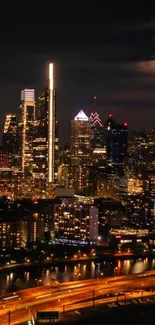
(108, 58)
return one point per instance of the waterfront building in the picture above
(76, 224)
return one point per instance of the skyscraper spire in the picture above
(95, 102)
(81, 116)
(95, 119)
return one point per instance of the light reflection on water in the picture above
(18, 279)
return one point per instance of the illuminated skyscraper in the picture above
(97, 128)
(10, 120)
(42, 106)
(45, 145)
(26, 125)
(56, 153)
(98, 139)
(108, 124)
(9, 139)
(95, 120)
(40, 137)
(65, 168)
(51, 127)
(39, 150)
(81, 151)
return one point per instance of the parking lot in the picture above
(138, 301)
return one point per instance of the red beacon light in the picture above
(110, 115)
(125, 123)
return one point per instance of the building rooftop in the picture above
(81, 116)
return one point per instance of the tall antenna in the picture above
(94, 102)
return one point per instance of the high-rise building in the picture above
(95, 119)
(116, 142)
(9, 234)
(151, 179)
(108, 124)
(32, 229)
(26, 126)
(42, 106)
(51, 127)
(141, 151)
(76, 224)
(56, 153)
(119, 138)
(110, 121)
(10, 120)
(39, 150)
(98, 139)
(81, 151)
(9, 139)
(4, 158)
(65, 168)
(97, 128)
(40, 137)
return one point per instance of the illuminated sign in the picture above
(47, 315)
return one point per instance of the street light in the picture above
(142, 290)
(38, 281)
(93, 298)
(29, 311)
(78, 275)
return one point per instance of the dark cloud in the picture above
(135, 26)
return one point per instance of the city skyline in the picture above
(93, 108)
(77, 170)
(114, 62)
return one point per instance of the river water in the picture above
(18, 279)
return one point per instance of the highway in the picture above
(73, 295)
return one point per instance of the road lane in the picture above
(71, 294)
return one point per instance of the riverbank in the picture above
(109, 257)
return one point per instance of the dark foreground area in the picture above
(121, 315)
